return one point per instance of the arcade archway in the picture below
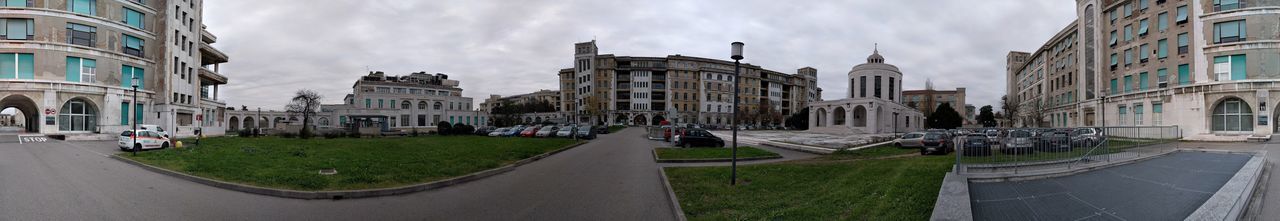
(23, 111)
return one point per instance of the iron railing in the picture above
(1023, 150)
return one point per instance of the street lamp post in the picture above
(136, 147)
(895, 123)
(737, 58)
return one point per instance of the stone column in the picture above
(813, 118)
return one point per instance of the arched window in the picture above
(422, 105)
(324, 121)
(438, 106)
(839, 116)
(405, 105)
(1232, 114)
(78, 115)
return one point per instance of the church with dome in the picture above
(873, 104)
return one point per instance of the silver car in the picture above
(914, 139)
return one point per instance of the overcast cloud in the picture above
(513, 47)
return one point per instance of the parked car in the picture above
(154, 128)
(699, 138)
(976, 145)
(498, 132)
(1086, 137)
(600, 129)
(566, 132)
(1019, 142)
(935, 142)
(1055, 140)
(529, 132)
(514, 131)
(912, 139)
(547, 131)
(585, 133)
(993, 136)
(667, 130)
(145, 140)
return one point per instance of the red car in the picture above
(529, 132)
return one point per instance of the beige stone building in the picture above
(1208, 67)
(872, 106)
(610, 89)
(67, 66)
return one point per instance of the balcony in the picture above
(206, 37)
(210, 55)
(212, 76)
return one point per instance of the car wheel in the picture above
(896, 144)
(165, 145)
(137, 146)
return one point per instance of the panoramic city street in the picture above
(639, 110)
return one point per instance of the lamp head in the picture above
(737, 51)
(134, 81)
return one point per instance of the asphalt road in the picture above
(612, 178)
(1270, 194)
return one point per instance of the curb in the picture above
(714, 160)
(1231, 201)
(671, 195)
(345, 194)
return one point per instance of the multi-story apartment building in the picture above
(535, 113)
(609, 89)
(68, 66)
(928, 100)
(417, 101)
(1205, 66)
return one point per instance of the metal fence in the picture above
(1022, 150)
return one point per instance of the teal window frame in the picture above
(380, 104)
(1230, 29)
(76, 72)
(1162, 48)
(1115, 86)
(17, 66)
(134, 18)
(1184, 74)
(1238, 63)
(1182, 14)
(1142, 52)
(1162, 76)
(128, 72)
(1163, 23)
(1115, 59)
(1142, 81)
(1128, 33)
(17, 3)
(1142, 27)
(124, 113)
(134, 43)
(1115, 37)
(1224, 5)
(1128, 83)
(368, 103)
(87, 7)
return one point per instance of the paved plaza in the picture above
(833, 141)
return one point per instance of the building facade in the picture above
(872, 106)
(928, 100)
(551, 98)
(68, 66)
(385, 103)
(1208, 67)
(609, 89)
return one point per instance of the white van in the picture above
(153, 128)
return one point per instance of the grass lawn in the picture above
(616, 128)
(851, 186)
(883, 150)
(710, 153)
(362, 163)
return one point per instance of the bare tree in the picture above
(1035, 115)
(306, 103)
(1011, 109)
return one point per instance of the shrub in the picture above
(353, 134)
(288, 135)
(332, 135)
(443, 128)
(414, 133)
(306, 134)
(462, 129)
(245, 133)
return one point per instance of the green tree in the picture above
(799, 120)
(986, 117)
(945, 117)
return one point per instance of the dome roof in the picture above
(875, 57)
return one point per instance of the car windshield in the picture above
(933, 136)
(566, 129)
(1020, 133)
(977, 138)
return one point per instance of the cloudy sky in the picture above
(513, 47)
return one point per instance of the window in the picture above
(1128, 83)
(17, 66)
(1162, 77)
(1227, 32)
(380, 102)
(1182, 14)
(862, 86)
(1232, 114)
(1142, 4)
(1128, 10)
(1113, 16)
(87, 7)
(1182, 43)
(877, 84)
(83, 35)
(1128, 57)
(132, 46)
(124, 113)
(77, 115)
(1142, 27)
(1142, 52)
(405, 105)
(1137, 114)
(1115, 86)
(17, 28)
(368, 103)
(16, 3)
(891, 89)
(1163, 22)
(127, 73)
(422, 105)
(1223, 5)
(1115, 60)
(1128, 33)
(81, 69)
(1230, 67)
(1142, 81)
(134, 18)
(437, 106)
(1157, 112)
(1114, 38)
(1184, 74)
(1122, 111)
(1162, 48)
